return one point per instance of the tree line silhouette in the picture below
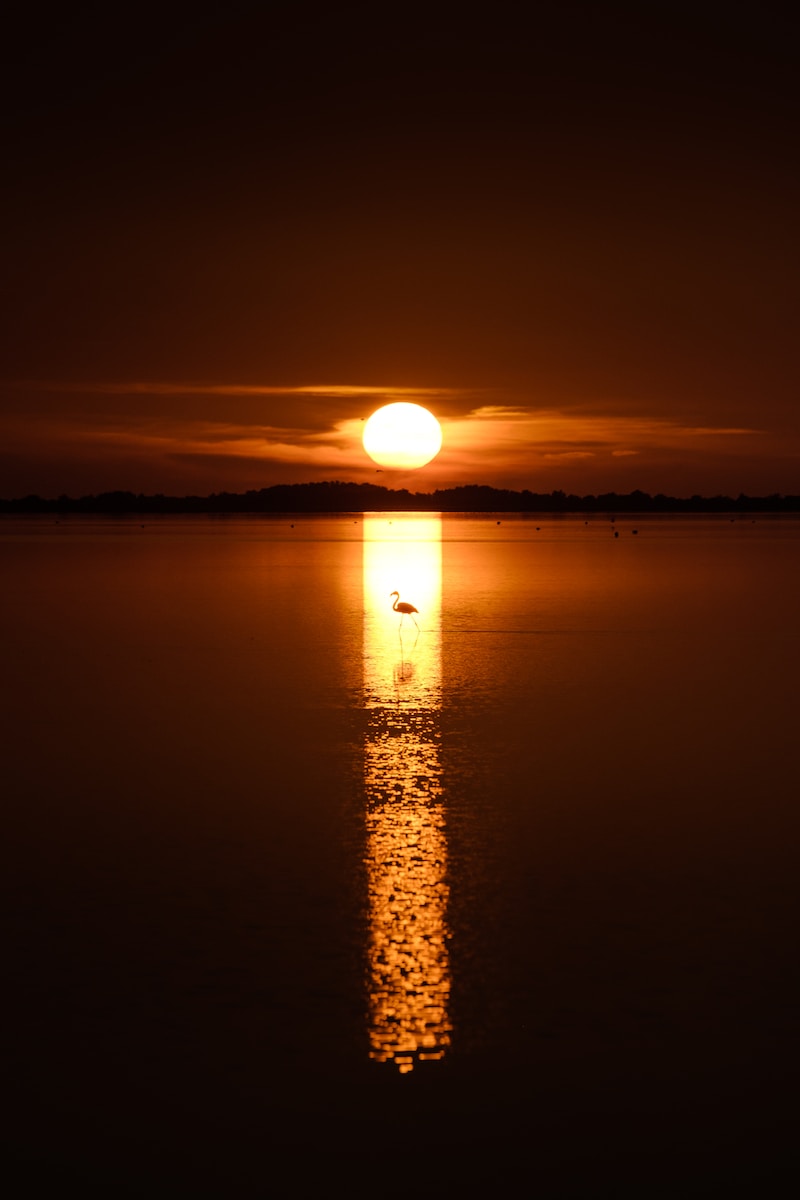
(338, 496)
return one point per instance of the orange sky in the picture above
(573, 238)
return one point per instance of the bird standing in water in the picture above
(404, 608)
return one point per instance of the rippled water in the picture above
(289, 881)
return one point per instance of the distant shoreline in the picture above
(340, 497)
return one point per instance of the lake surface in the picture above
(293, 887)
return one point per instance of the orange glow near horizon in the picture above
(184, 439)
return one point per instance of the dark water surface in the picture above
(295, 896)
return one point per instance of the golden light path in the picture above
(406, 852)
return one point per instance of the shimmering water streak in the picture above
(406, 851)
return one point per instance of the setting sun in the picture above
(402, 435)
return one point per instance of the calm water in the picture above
(290, 886)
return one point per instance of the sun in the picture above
(402, 436)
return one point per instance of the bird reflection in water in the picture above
(403, 671)
(406, 851)
(404, 667)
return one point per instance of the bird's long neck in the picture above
(396, 602)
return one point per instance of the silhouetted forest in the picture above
(336, 496)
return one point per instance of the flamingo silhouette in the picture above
(404, 608)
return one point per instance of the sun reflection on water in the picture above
(406, 851)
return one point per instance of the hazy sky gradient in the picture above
(570, 233)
